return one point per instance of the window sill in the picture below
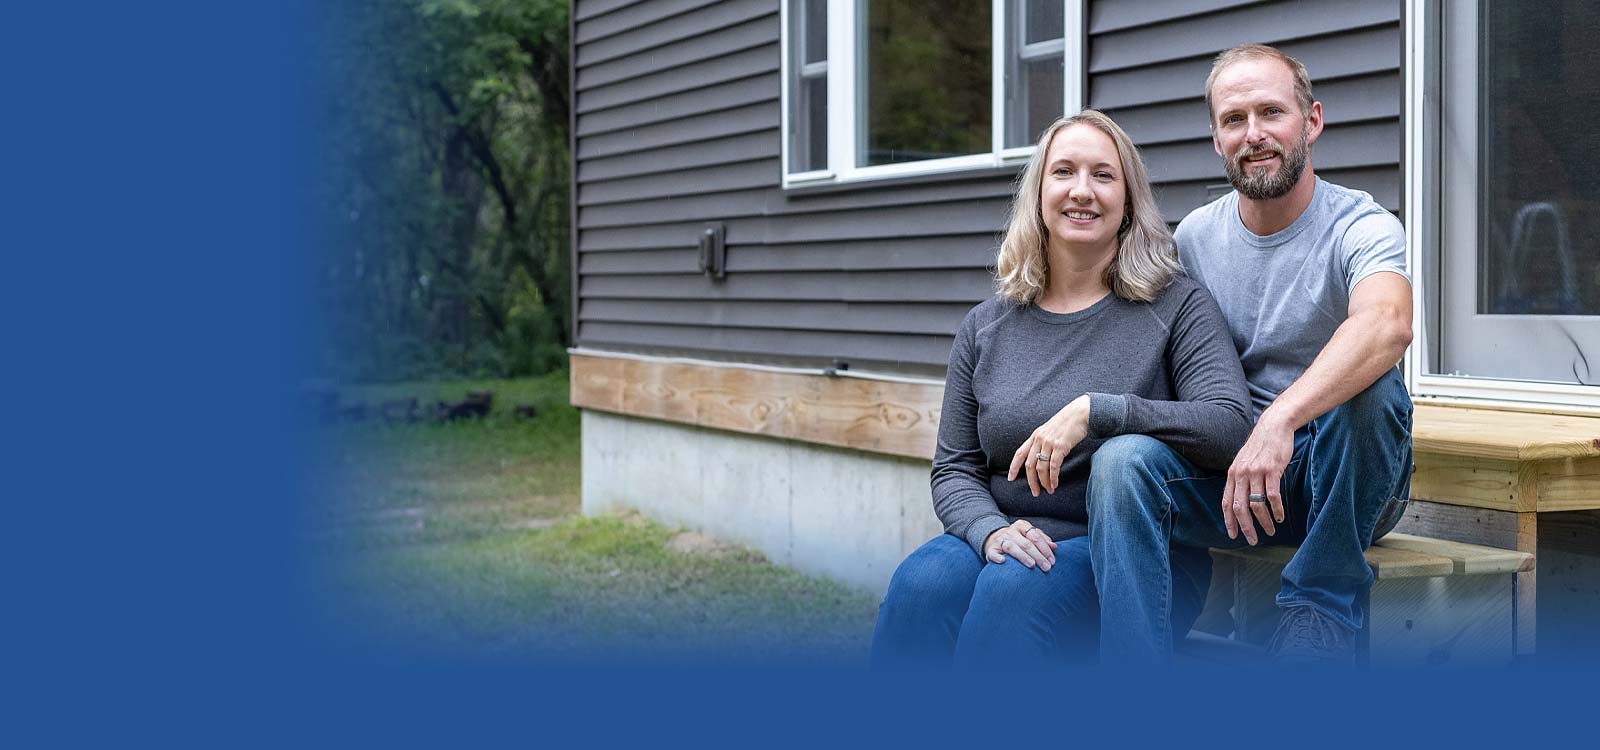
(1006, 168)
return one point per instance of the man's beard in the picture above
(1259, 184)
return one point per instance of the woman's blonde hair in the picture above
(1146, 257)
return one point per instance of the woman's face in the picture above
(1082, 196)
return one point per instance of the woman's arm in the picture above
(1212, 417)
(960, 477)
(1206, 425)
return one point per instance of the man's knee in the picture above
(1126, 473)
(1382, 409)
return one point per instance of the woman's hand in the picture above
(1023, 541)
(1040, 456)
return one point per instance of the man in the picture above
(1311, 278)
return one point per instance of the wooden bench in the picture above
(1434, 602)
(1519, 480)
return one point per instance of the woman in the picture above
(1092, 312)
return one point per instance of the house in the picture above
(784, 208)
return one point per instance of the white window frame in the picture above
(844, 138)
(1423, 103)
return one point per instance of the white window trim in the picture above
(1422, 102)
(844, 140)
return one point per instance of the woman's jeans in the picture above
(948, 606)
(1346, 485)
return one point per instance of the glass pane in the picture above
(1519, 198)
(925, 92)
(1540, 180)
(1034, 100)
(817, 127)
(816, 30)
(1042, 20)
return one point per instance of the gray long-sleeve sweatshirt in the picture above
(1166, 369)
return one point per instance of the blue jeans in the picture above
(1346, 485)
(948, 606)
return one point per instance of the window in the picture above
(1035, 65)
(885, 88)
(808, 99)
(1508, 183)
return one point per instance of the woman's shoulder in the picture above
(1183, 293)
(1179, 289)
(989, 311)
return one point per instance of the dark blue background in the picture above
(153, 246)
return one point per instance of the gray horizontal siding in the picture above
(747, 175)
(856, 317)
(955, 285)
(631, 37)
(735, 93)
(1374, 50)
(1207, 34)
(751, 118)
(681, 78)
(592, 8)
(753, 33)
(964, 251)
(757, 343)
(677, 124)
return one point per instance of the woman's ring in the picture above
(1257, 498)
(1041, 456)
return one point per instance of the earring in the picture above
(1127, 221)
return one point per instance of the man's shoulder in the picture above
(1349, 205)
(1358, 220)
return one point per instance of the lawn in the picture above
(464, 540)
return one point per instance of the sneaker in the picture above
(1306, 637)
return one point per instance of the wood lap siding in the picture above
(677, 124)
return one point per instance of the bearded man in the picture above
(1311, 278)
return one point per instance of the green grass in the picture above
(465, 540)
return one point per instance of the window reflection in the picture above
(927, 80)
(1540, 182)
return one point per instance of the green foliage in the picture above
(928, 80)
(443, 188)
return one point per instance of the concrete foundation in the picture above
(847, 515)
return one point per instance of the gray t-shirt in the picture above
(1164, 369)
(1284, 294)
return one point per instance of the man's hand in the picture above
(1042, 453)
(1024, 541)
(1257, 471)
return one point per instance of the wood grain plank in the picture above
(1568, 484)
(1386, 562)
(1459, 480)
(1504, 435)
(1469, 559)
(900, 419)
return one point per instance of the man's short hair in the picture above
(1302, 81)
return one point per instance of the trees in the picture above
(441, 187)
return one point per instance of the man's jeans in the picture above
(1346, 485)
(948, 606)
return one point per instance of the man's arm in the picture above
(1373, 337)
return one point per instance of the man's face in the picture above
(1258, 129)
